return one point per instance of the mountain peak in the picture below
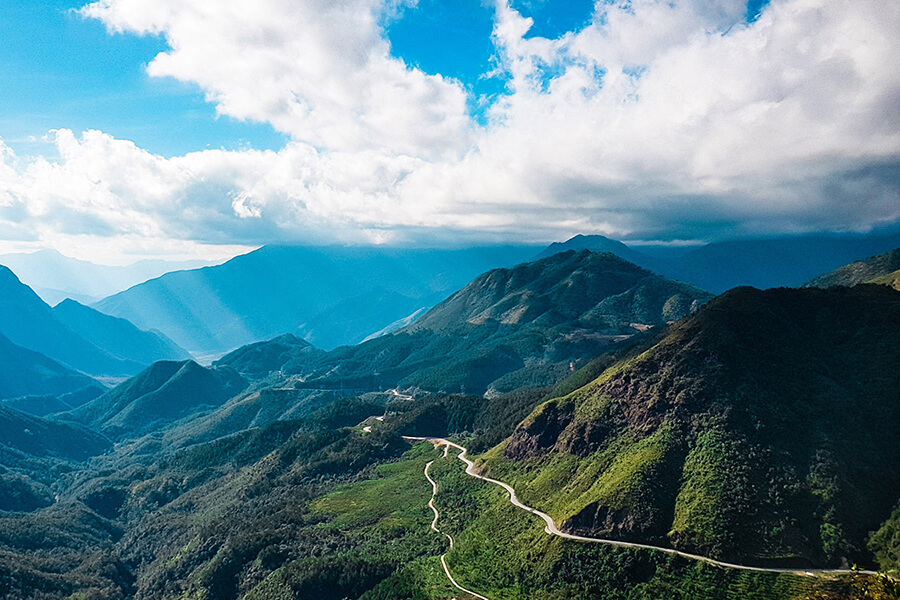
(599, 288)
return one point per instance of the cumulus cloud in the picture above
(658, 120)
(319, 70)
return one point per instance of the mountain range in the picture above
(756, 427)
(161, 394)
(882, 268)
(24, 372)
(761, 262)
(330, 296)
(55, 277)
(526, 325)
(77, 336)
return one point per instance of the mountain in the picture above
(25, 372)
(762, 430)
(761, 262)
(312, 493)
(27, 321)
(891, 280)
(774, 262)
(599, 243)
(117, 336)
(164, 392)
(259, 359)
(862, 271)
(330, 296)
(39, 437)
(55, 277)
(43, 405)
(592, 289)
(506, 329)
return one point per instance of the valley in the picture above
(469, 300)
(571, 427)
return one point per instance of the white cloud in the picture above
(318, 70)
(659, 119)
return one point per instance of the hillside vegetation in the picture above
(161, 394)
(761, 429)
(890, 279)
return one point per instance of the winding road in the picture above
(434, 491)
(552, 529)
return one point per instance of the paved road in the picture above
(553, 530)
(434, 491)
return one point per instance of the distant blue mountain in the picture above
(25, 372)
(118, 336)
(329, 296)
(77, 336)
(44, 404)
(761, 263)
(27, 321)
(55, 277)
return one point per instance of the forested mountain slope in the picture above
(763, 428)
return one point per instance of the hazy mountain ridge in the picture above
(27, 321)
(107, 347)
(24, 372)
(55, 277)
(524, 324)
(118, 336)
(758, 429)
(327, 295)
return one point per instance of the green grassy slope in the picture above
(890, 279)
(502, 552)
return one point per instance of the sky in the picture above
(193, 129)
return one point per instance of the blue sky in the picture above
(60, 70)
(191, 129)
